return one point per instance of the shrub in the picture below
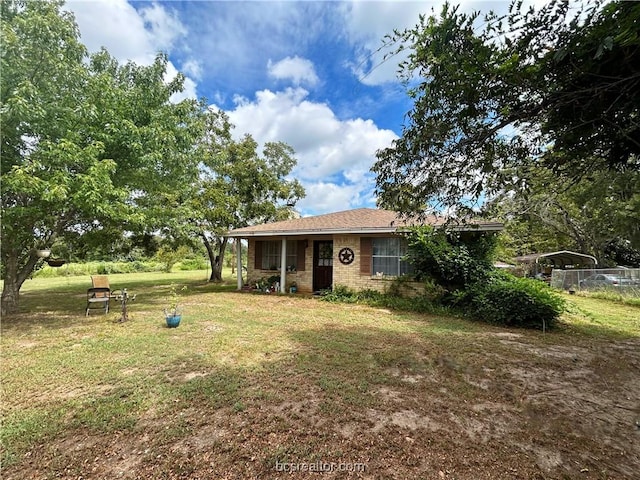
(513, 301)
(452, 259)
(374, 298)
(170, 256)
(197, 263)
(98, 268)
(340, 293)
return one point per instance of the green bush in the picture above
(512, 301)
(197, 263)
(340, 294)
(169, 256)
(374, 298)
(451, 259)
(98, 268)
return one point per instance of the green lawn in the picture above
(249, 383)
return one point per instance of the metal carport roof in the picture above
(561, 258)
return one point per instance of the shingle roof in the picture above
(361, 220)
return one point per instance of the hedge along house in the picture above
(357, 248)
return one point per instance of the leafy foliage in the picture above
(238, 186)
(512, 301)
(459, 274)
(98, 268)
(452, 259)
(623, 253)
(88, 145)
(593, 216)
(169, 256)
(557, 87)
(420, 303)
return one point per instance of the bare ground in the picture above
(505, 404)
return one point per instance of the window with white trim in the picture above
(271, 257)
(387, 256)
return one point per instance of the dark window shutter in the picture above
(365, 255)
(301, 255)
(258, 260)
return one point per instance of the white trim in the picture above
(560, 252)
(283, 265)
(239, 261)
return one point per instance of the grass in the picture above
(628, 296)
(597, 316)
(247, 380)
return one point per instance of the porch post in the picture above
(238, 241)
(283, 265)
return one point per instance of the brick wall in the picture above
(348, 275)
(303, 278)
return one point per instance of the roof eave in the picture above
(323, 231)
(489, 227)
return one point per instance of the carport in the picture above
(544, 262)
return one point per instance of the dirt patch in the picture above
(490, 405)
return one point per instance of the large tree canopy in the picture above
(87, 144)
(237, 186)
(598, 215)
(558, 87)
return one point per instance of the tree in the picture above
(87, 145)
(600, 215)
(238, 187)
(527, 88)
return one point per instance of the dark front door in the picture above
(322, 264)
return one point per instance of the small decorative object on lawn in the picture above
(172, 314)
(124, 298)
(293, 287)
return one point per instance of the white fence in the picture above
(623, 280)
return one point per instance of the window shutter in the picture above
(301, 255)
(258, 259)
(365, 255)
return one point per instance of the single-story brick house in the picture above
(357, 248)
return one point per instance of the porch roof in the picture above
(358, 221)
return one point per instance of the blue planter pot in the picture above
(173, 320)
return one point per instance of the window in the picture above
(325, 254)
(271, 255)
(387, 254)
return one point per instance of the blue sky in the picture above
(298, 72)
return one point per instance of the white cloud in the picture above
(163, 26)
(326, 197)
(192, 68)
(366, 25)
(130, 35)
(298, 70)
(334, 156)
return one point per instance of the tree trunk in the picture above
(14, 278)
(216, 261)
